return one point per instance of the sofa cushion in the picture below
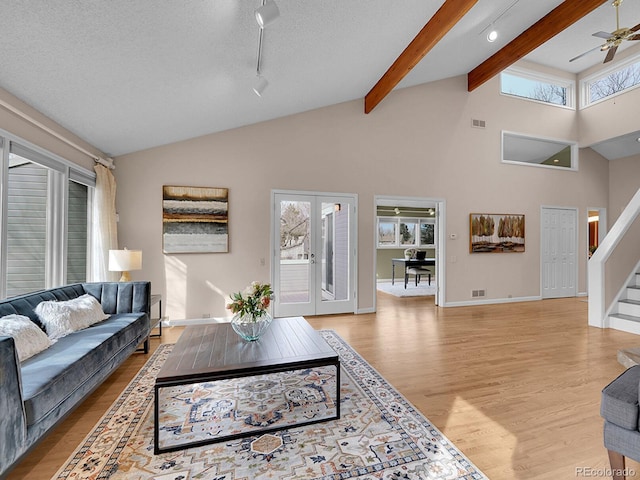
(27, 336)
(61, 318)
(24, 304)
(619, 403)
(49, 378)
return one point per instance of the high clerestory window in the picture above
(610, 82)
(45, 220)
(538, 87)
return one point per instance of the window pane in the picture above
(427, 234)
(43, 229)
(295, 231)
(77, 233)
(335, 252)
(26, 226)
(387, 232)
(533, 89)
(408, 233)
(614, 82)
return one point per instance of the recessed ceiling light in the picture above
(492, 36)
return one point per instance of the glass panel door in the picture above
(294, 282)
(314, 261)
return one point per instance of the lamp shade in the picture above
(124, 261)
(267, 13)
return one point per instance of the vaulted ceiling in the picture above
(128, 75)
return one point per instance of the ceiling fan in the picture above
(613, 39)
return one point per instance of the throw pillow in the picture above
(28, 337)
(65, 317)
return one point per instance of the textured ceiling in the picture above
(126, 75)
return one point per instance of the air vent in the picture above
(478, 123)
(477, 293)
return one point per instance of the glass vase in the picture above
(250, 327)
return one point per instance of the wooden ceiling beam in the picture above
(444, 19)
(561, 17)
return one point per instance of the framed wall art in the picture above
(496, 233)
(195, 219)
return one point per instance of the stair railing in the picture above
(610, 265)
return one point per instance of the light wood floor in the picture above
(516, 387)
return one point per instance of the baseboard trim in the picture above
(361, 311)
(183, 322)
(491, 301)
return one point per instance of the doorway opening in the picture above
(409, 246)
(596, 228)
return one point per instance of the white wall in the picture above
(417, 142)
(624, 181)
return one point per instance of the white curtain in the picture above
(105, 228)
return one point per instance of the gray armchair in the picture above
(619, 408)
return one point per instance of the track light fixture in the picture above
(267, 13)
(261, 82)
(260, 86)
(492, 33)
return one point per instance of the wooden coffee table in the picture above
(214, 352)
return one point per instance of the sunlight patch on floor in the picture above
(466, 423)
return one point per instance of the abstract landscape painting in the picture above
(490, 233)
(195, 219)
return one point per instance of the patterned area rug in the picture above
(204, 412)
(380, 435)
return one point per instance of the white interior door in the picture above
(559, 252)
(314, 253)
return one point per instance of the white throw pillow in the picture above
(28, 337)
(65, 317)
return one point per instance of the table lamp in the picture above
(124, 261)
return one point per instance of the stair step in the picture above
(633, 292)
(625, 323)
(622, 316)
(629, 307)
(629, 301)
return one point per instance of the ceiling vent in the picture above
(478, 123)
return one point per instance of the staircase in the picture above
(618, 250)
(626, 313)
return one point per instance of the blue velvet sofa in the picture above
(39, 392)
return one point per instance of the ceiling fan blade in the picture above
(599, 47)
(634, 37)
(604, 35)
(610, 54)
(636, 28)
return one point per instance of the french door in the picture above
(314, 258)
